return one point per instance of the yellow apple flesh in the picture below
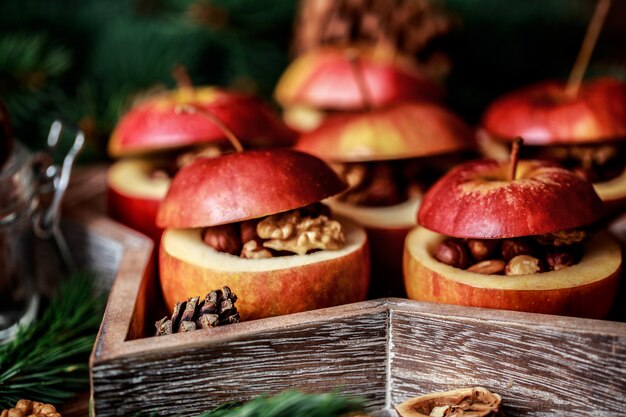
(134, 194)
(586, 289)
(265, 287)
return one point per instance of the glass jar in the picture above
(18, 201)
(23, 179)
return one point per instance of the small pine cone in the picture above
(216, 309)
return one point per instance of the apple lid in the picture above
(544, 115)
(476, 200)
(156, 124)
(324, 78)
(404, 130)
(245, 185)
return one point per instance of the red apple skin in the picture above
(246, 185)
(406, 130)
(324, 78)
(593, 300)
(135, 212)
(542, 114)
(475, 200)
(272, 293)
(387, 247)
(156, 124)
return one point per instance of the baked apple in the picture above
(322, 81)
(253, 221)
(388, 157)
(492, 235)
(154, 139)
(585, 132)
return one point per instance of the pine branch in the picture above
(48, 359)
(288, 404)
(292, 403)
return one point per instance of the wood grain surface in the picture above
(540, 365)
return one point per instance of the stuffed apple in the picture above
(253, 221)
(322, 82)
(523, 241)
(585, 132)
(389, 157)
(154, 139)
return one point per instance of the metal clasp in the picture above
(46, 220)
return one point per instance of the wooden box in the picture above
(385, 350)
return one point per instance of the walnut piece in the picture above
(27, 408)
(563, 238)
(254, 250)
(293, 233)
(523, 265)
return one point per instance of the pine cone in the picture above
(217, 309)
(408, 26)
(27, 408)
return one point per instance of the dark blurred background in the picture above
(88, 60)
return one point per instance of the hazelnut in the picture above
(14, 412)
(523, 265)
(515, 247)
(454, 253)
(482, 249)
(489, 267)
(562, 257)
(224, 238)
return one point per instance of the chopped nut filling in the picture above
(387, 183)
(294, 232)
(597, 163)
(516, 256)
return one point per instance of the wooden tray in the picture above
(385, 350)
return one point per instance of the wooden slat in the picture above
(345, 351)
(541, 365)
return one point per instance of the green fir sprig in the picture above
(48, 360)
(289, 404)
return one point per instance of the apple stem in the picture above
(591, 38)
(228, 132)
(182, 78)
(357, 70)
(517, 144)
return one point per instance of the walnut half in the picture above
(293, 233)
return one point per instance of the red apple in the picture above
(586, 289)
(324, 80)
(406, 130)
(265, 287)
(544, 115)
(248, 185)
(157, 125)
(398, 132)
(478, 200)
